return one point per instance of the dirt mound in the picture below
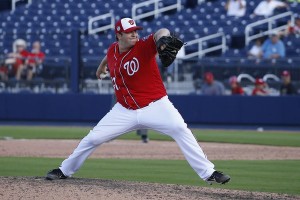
(153, 150)
(39, 188)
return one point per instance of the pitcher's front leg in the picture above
(162, 116)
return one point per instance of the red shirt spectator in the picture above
(36, 56)
(3, 73)
(294, 29)
(236, 89)
(21, 57)
(259, 88)
(18, 58)
(35, 59)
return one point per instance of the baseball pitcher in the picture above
(142, 101)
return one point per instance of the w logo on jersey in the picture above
(132, 66)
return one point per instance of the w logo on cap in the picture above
(131, 22)
(126, 25)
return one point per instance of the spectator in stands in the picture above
(35, 60)
(293, 28)
(256, 50)
(259, 89)
(18, 59)
(236, 89)
(287, 87)
(3, 71)
(273, 47)
(266, 7)
(211, 86)
(236, 8)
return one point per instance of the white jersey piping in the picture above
(123, 78)
(115, 53)
(115, 75)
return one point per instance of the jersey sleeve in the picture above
(110, 54)
(25, 54)
(42, 56)
(148, 45)
(110, 49)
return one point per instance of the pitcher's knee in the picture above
(95, 138)
(178, 128)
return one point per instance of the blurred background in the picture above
(240, 64)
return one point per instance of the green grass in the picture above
(274, 138)
(43, 132)
(267, 176)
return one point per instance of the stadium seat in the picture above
(59, 17)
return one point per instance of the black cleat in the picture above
(55, 174)
(218, 177)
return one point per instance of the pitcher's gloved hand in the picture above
(167, 48)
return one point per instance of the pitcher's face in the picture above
(128, 40)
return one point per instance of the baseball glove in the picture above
(167, 48)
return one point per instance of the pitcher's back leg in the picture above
(115, 123)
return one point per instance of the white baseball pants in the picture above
(160, 116)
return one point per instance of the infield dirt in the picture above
(154, 150)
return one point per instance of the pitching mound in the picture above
(39, 188)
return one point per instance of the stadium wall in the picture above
(194, 108)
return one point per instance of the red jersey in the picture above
(258, 90)
(237, 90)
(24, 55)
(32, 57)
(135, 75)
(20, 60)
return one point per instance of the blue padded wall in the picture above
(195, 109)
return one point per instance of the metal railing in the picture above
(245, 76)
(111, 25)
(268, 21)
(157, 9)
(14, 2)
(272, 77)
(201, 52)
